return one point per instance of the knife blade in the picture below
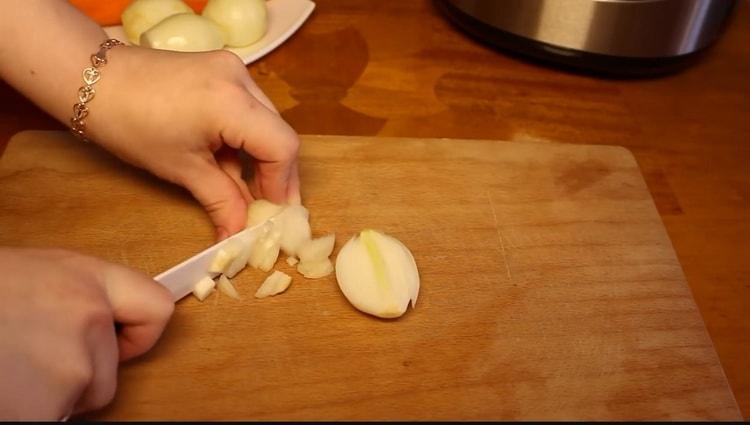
(180, 279)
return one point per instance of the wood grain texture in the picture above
(550, 289)
(399, 69)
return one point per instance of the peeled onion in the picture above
(377, 274)
(184, 32)
(141, 15)
(243, 22)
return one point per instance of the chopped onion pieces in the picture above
(203, 288)
(261, 210)
(241, 259)
(225, 256)
(226, 287)
(265, 252)
(274, 284)
(316, 249)
(315, 269)
(295, 228)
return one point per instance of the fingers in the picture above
(221, 195)
(293, 195)
(134, 301)
(266, 137)
(229, 161)
(104, 355)
(140, 305)
(276, 184)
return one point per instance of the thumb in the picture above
(141, 306)
(220, 195)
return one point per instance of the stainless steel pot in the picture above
(614, 36)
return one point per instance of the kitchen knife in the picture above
(181, 278)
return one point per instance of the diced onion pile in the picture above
(376, 272)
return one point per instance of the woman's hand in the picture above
(59, 350)
(185, 117)
(182, 116)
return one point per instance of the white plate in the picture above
(284, 18)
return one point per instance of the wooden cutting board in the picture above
(550, 289)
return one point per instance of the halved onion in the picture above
(377, 274)
(141, 15)
(184, 32)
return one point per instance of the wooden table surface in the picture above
(398, 69)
